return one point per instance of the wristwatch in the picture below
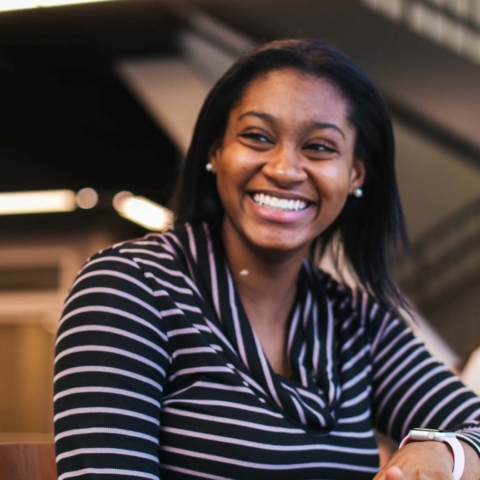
(450, 438)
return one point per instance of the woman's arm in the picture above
(110, 366)
(411, 389)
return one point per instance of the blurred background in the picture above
(97, 105)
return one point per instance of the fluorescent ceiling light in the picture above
(37, 202)
(142, 211)
(6, 5)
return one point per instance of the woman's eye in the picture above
(320, 147)
(256, 137)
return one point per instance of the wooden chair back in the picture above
(27, 461)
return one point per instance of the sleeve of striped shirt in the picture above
(110, 365)
(410, 388)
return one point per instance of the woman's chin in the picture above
(267, 240)
(274, 245)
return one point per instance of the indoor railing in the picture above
(452, 23)
(447, 259)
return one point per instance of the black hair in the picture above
(369, 229)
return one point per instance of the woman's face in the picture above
(286, 163)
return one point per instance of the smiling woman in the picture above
(297, 145)
(218, 349)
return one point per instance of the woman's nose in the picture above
(284, 168)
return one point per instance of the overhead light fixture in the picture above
(142, 211)
(7, 5)
(47, 201)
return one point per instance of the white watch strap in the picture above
(453, 442)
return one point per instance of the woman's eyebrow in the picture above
(312, 125)
(323, 126)
(253, 113)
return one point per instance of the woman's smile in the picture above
(280, 207)
(286, 164)
(277, 202)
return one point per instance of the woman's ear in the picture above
(357, 174)
(214, 154)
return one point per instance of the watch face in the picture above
(421, 434)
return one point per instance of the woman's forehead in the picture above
(289, 95)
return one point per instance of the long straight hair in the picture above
(370, 229)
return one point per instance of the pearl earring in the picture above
(208, 167)
(358, 192)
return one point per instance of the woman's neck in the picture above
(267, 284)
(265, 281)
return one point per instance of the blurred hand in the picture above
(394, 473)
(419, 461)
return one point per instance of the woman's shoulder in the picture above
(353, 303)
(144, 261)
(154, 250)
(337, 290)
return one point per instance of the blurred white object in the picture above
(471, 372)
(6, 5)
(87, 198)
(47, 201)
(143, 211)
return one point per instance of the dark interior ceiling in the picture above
(66, 120)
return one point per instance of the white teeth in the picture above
(279, 203)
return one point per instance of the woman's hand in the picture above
(419, 461)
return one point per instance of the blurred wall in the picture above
(29, 315)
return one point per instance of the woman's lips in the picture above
(280, 216)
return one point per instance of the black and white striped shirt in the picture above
(158, 374)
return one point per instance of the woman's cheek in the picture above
(237, 161)
(331, 179)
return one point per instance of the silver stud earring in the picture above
(208, 167)
(358, 192)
